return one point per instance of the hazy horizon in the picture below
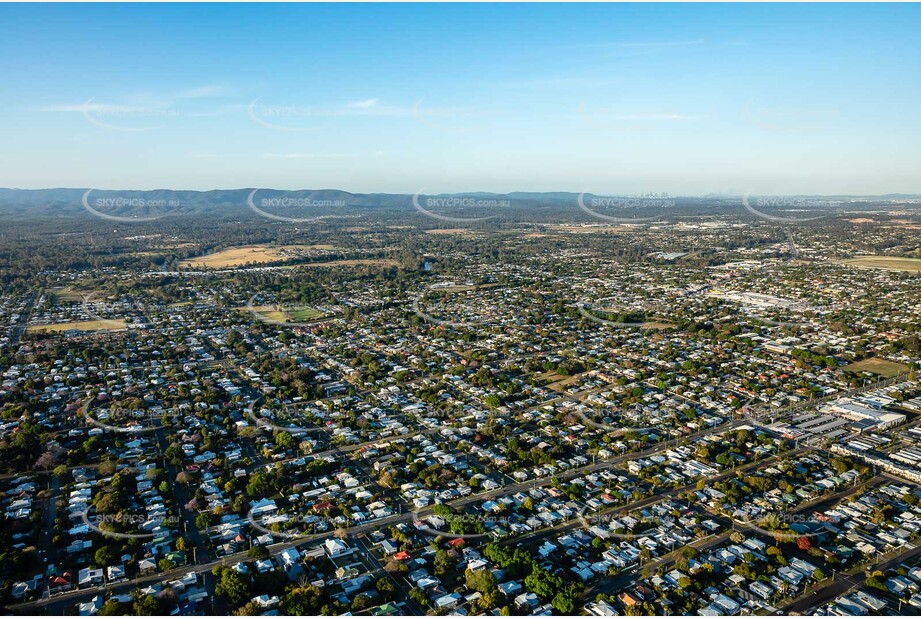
(459, 192)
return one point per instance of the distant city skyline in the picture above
(609, 99)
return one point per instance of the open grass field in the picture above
(657, 325)
(304, 315)
(886, 262)
(269, 313)
(89, 326)
(66, 295)
(253, 254)
(238, 256)
(554, 381)
(879, 366)
(560, 383)
(274, 313)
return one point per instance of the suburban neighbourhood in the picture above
(365, 429)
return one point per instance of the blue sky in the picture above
(618, 99)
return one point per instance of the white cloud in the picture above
(202, 92)
(365, 104)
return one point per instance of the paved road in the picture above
(232, 559)
(72, 596)
(20, 328)
(622, 580)
(183, 496)
(633, 506)
(403, 596)
(46, 542)
(841, 585)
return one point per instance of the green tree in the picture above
(419, 597)
(258, 485)
(111, 608)
(303, 601)
(204, 520)
(361, 602)
(443, 562)
(285, 440)
(233, 586)
(105, 556)
(386, 588)
(482, 580)
(258, 552)
(147, 605)
(564, 603)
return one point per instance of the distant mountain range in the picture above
(67, 203)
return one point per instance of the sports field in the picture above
(879, 366)
(886, 262)
(276, 314)
(87, 326)
(253, 254)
